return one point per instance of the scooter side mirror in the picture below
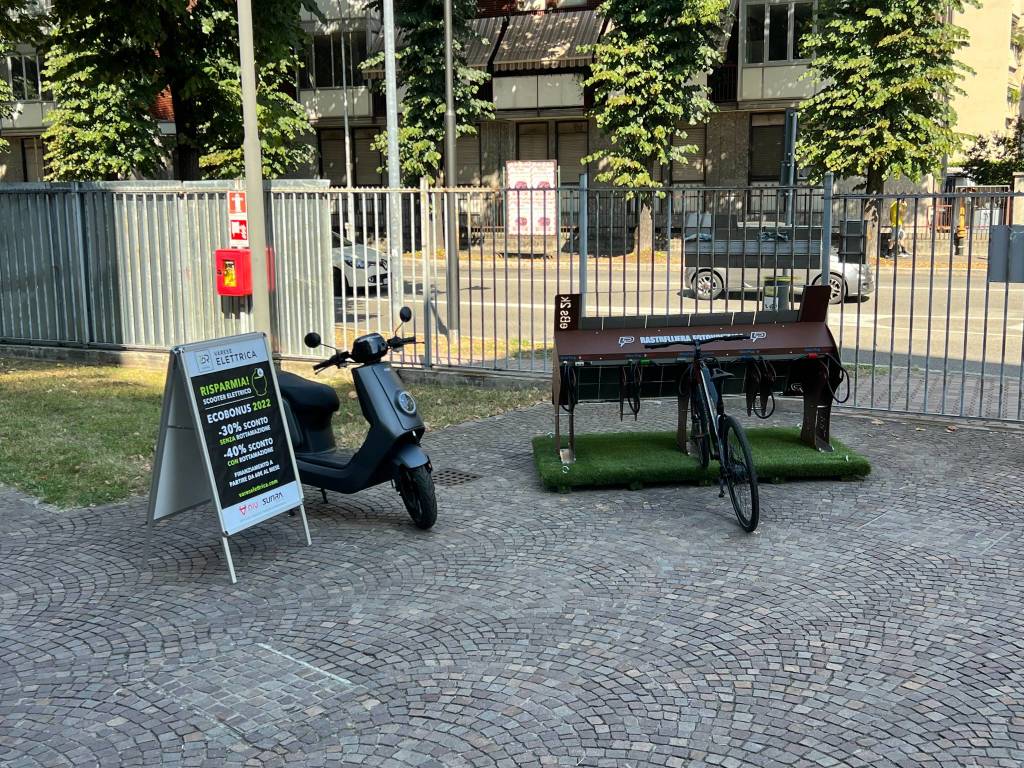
(312, 340)
(405, 314)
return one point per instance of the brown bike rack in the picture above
(791, 353)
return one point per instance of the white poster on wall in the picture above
(531, 198)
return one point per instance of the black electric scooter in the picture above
(391, 451)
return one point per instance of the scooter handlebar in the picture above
(338, 358)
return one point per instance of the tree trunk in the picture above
(872, 218)
(186, 156)
(643, 235)
(186, 143)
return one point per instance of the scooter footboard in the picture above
(410, 456)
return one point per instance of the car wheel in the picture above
(339, 283)
(838, 290)
(707, 285)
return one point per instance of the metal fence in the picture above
(131, 265)
(928, 310)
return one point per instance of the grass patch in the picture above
(651, 458)
(76, 435)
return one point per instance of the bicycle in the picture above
(727, 442)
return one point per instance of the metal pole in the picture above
(261, 312)
(451, 244)
(584, 242)
(396, 277)
(346, 223)
(826, 229)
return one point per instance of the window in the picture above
(803, 25)
(324, 57)
(23, 75)
(767, 137)
(572, 148)
(693, 169)
(777, 32)
(533, 141)
(755, 34)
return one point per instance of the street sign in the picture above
(531, 198)
(223, 439)
(238, 220)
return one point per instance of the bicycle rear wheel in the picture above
(740, 475)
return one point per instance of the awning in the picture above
(483, 38)
(549, 40)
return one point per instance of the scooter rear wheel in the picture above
(416, 487)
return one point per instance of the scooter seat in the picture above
(309, 399)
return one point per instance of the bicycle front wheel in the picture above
(740, 475)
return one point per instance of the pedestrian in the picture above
(897, 216)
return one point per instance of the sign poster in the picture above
(531, 200)
(238, 220)
(224, 393)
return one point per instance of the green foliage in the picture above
(643, 77)
(420, 61)
(993, 159)
(282, 120)
(20, 22)
(123, 52)
(887, 69)
(95, 131)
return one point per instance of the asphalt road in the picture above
(913, 315)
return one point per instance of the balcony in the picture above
(722, 83)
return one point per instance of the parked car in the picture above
(847, 281)
(357, 266)
(738, 260)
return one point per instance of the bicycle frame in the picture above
(703, 386)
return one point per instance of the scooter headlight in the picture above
(406, 403)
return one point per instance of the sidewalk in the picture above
(866, 623)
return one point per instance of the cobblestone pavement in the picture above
(866, 623)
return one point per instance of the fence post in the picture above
(584, 244)
(88, 321)
(427, 250)
(826, 229)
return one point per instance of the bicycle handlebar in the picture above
(696, 342)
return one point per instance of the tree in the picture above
(191, 49)
(420, 62)
(20, 22)
(645, 77)
(994, 159)
(887, 70)
(96, 131)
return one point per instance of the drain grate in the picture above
(451, 477)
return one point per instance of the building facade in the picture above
(535, 51)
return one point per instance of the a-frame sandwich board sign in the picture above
(223, 439)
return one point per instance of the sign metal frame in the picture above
(182, 453)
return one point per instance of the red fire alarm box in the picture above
(234, 272)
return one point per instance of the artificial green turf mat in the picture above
(649, 458)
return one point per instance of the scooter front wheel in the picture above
(416, 487)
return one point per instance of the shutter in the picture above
(572, 148)
(468, 160)
(332, 156)
(366, 159)
(533, 141)
(35, 167)
(767, 137)
(10, 163)
(693, 169)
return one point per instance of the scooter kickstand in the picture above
(323, 492)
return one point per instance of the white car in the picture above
(357, 266)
